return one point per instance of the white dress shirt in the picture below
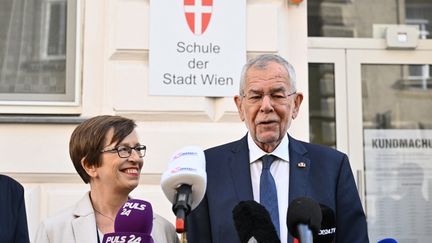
(280, 172)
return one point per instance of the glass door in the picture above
(327, 98)
(390, 139)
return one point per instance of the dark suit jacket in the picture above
(13, 220)
(327, 178)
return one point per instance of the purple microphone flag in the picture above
(135, 216)
(126, 237)
(133, 223)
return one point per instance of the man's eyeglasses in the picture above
(125, 152)
(277, 98)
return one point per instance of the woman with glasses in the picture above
(106, 153)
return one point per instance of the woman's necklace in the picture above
(97, 211)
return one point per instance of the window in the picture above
(322, 110)
(38, 57)
(365, 19)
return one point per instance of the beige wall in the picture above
(114, 81)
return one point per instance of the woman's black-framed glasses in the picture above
(126, 152)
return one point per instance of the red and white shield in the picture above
(198, 14)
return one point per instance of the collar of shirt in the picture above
(255, 152)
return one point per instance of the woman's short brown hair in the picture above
(88, 139)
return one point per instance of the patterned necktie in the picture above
(268, 193)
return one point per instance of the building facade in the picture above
(363, 66)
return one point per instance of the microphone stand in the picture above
(181, 209)
(183, 238)
(305, 233)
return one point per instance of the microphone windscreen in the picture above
(135, 216)
(387, 240)
(118, 237)
(187, 167)
(327, 230)
(252, 220)
(305, 211)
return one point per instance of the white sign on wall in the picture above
(197, 47)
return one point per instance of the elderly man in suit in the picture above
(268, 102)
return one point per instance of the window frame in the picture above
(45, 103)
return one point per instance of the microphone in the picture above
(304, 219)
(327, 231)
(133, 223)
(184, 182)
(387, 240)
(253, 223)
